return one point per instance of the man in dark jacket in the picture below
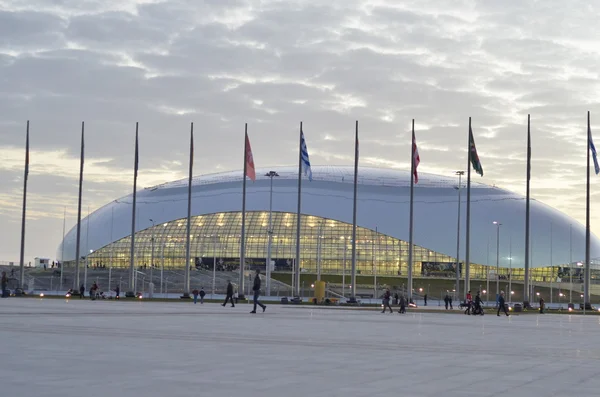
(256, 289)
(386, 300)
(229, 296)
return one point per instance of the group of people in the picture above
(255, 287)
(400, 300)
(475, 307)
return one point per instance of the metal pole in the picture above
(186, 290)
(152, 254)
(271, 175)
(78, 242)
(319, 251)
(374, 262)
(23, 218)
(296, 270)
(112, 246)
(526, 275)
(457, 288)
(344, 269)
(243, 233)
(162, 266)
(87, 248)
(353, 293)
(510, 268)
(214, 265)
(132, 277)
(498, 224)
(571, 263)
(468, 220)
(410, 221)
(551, 268)
(586, 285)
(62, 255)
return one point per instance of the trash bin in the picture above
(517, 308)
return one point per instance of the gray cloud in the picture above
(273, 64)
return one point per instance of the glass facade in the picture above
(325, 244)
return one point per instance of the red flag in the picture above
(250, 172)
(416, 159)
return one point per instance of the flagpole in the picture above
(132, 286)
(186, 290)
(468, 220)
(353, 292)
(527, 214)
(296, 275)
(23, 219)
(586, 285)
(62, 252)
(78, 242)
(243, 235)
(409, 286)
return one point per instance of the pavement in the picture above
(55, 347)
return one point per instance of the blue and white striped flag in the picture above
(305, 159)
(594, 154)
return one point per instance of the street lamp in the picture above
(498, 224)
(460, 174)
(152, 260)
(270, 175)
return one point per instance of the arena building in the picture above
(557, 241)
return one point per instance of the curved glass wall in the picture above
(325, 245)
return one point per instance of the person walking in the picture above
(4, 284)
(195, 293)
(202, 295)
(81, 291)
(402, 305)
(117, 292)
(446, 301)
(229, 295)
(425, 298)
(501, 305)
(256, 289)
(542, 305)
(387, 296)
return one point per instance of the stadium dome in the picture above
(382, 219)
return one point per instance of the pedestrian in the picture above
(501, 305)
(256, 289)
(81, 291)
(202, 295)
(386, 300)
(402, 305)
(4, 284)
(542, 305)
(450, 301)
(469, 302)
(117, 292)
(446, 301)
(195, 293)
(229, 295)
(425, 297)
(396, 299)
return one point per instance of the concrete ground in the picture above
(54, 347)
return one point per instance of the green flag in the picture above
(473, 154)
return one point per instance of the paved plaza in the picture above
(52, 347)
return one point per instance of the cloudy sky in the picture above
(221, 63)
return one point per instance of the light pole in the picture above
(152, 256)
(498, 224)
(271, 175)
(214, 264)
(460, 174)
(510, 267)
(571, 263)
